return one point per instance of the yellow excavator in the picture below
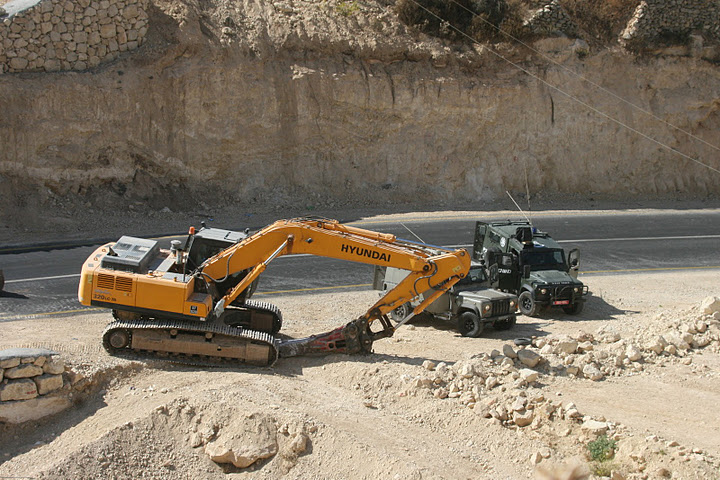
(193, 300)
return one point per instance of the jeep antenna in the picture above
(412, 233)
(518, 207)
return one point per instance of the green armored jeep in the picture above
(530, 264)
(470, 303)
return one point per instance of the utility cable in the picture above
(585, 79)
(568, 95)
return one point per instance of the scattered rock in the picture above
(528, 357)
(595, 427)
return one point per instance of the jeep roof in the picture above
(508, 229)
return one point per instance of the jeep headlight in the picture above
(576, 289)
(543, 291)
(512, 303)
(486, 308)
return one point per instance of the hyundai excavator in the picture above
(193, 300)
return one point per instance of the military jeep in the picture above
(530, 264)
(470, 303)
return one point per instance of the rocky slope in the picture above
(307, 103)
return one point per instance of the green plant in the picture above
(602, 448)
(346, 9)
(602, 469)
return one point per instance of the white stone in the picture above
(22, 389)
(528, 375)
(9, 363)
(54, 367)
(529, 358)
(429, 365)
(593, 426)
(633, 353)
(566, 346)
(592, 372)
(523, 419)
(509, 352)
(466, 371)
(48, 383)
(24, 370)
(710, 305)
(519, 404)
(244, 441)
(34, 409)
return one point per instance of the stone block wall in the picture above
(551, 19)
(654, 19)
(33, 384)
(651, 21)
(56, 35)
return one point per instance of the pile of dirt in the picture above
(427, 404)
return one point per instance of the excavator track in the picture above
(193, 343)
(259, 316)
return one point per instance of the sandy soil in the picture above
(372, 417)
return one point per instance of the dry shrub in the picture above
(481, 20)
(499, 20)
(440, 18)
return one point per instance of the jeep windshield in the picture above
(544, 259)
(475, 275)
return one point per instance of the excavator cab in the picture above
(207, 242)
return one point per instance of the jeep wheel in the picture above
(527, 304)
(400, 312)
(469, 325)
(573, 309)
(505, 324)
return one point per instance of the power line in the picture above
(585, 79)
(572, 97)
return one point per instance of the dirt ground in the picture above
(385, 415)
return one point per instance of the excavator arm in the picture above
(430, 268)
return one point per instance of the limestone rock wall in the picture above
(32, 385)
(70, 34)
(248, 103)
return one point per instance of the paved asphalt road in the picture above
(44, 282)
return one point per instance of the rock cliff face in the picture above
(255, 102)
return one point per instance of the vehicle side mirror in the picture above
(526, 271)
(493, 274)
(574, 258)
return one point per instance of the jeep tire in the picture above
(527, 304)
(469, 324)
(401, 312)
(573, 309)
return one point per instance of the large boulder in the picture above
(244, 441)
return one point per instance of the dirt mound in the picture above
(427, 404)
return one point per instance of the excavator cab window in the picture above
(209, 242)
(200, 250)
